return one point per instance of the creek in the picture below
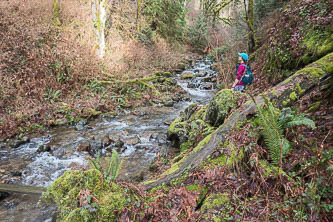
(138, 136)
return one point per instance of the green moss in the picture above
(56, 13)
(185, 146)
(202, 143)
(300, 91)
(218, 109)
(231, 156)
(314, 72)
(268, 170)
(286, 102)
(217, 207)
(169, 81)
(194, 187)
(315, 106)
(326, 63)
(176, 126)
(273, 92)
(200, 114)
(167, 74)
(109, 203)
(187, 76)
(149, 181)
(317, 44)
(199, 189)
(326, 47)
(293, 96)
(176, 166)
(102, 199)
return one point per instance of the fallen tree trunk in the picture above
(142, 81)
(282, 94)
(13, 188)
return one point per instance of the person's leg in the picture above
(239, 88)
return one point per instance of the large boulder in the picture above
(189, 128)
(221, 105)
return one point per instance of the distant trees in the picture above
(167, 17)
(212, 9)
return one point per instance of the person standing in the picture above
(238, 85)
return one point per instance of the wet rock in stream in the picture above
(3, 195)
(132, 140)
(2, 146)
(187, 75)
(106, 141)
(81, 125)
(19, 142)
(43, 148)
(192, 85)
(84, 147)
(207, 87)
(168, 103)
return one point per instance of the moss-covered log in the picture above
(142, 81)
(283, 94)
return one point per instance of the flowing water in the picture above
(137, 135)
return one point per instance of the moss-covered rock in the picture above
(178, 131)
(217, 207)
(219, 108)
(169, 82)
(187, 75)
(85, 196)
(189, 127)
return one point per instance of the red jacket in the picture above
(240, 72)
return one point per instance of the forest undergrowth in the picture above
(50, 75)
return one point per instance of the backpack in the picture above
(247, 77)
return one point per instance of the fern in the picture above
(288, 119)
(272, 132)
(113, 163)
(113, 168)
(272, 123)
(96, 163)
(301, 120)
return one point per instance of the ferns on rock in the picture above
(113, 163)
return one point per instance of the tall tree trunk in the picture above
(250, 23)
(98, 8)
(138, 14)
(56, 13)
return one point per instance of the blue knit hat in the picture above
(244, 56)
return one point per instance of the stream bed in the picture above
(138, 136)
